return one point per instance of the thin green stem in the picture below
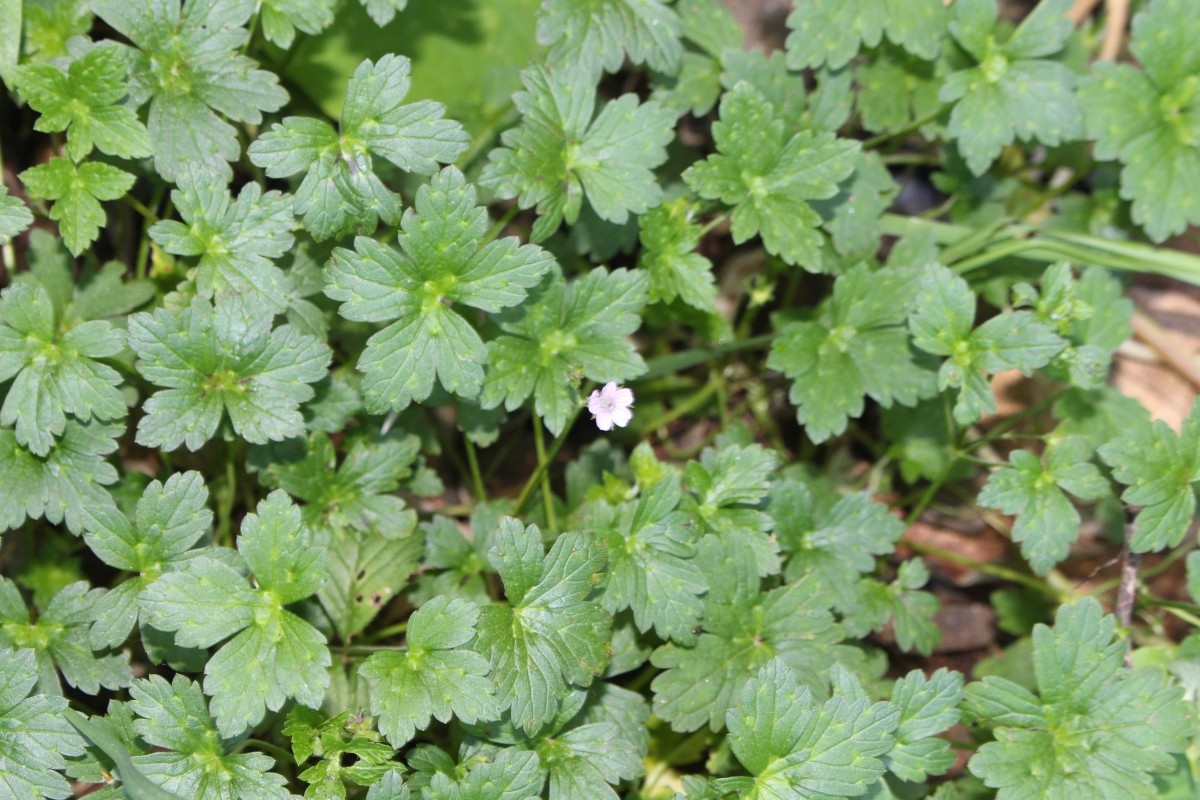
(677, 362)
(501, 223)
(386, 633)
(986, 568)
(691, 404)
(539, 443)
(476, 475)
(912, 127)
(555, 446)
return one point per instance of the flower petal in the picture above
(621, 416)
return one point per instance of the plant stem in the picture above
(539, 443)
(1127, 590)
(555, 446)
(677, 362)
(476, 475)
(988, 569)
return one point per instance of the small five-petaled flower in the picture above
(610, 406)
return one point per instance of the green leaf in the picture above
(852, 215)
(510, 774)
(60, 640)
(36, 734)
(70, 478)
(1150, 120)
(896, 90)
(833, 33)
(341, 190)
(54, 367)
(50, 24)
(1159, 468)
(1036, 490)
(383, 11)
(928, 707)
(743, 631)
(652, 570)
(548, 636)
(15, 216)
(1014, 91)
(161, 537)
(185, 62)
(795, 748)
(857, 348)
(597, 36)
(910, 610)
(234, 240)
(559, 154)
(195, 759)
(436, 676)
(224, 358)
(769, 178)
(273, 655)
(565, 332)
(1094, 728)
(10, 37)
(941, 324)
(77, 190)
(443, 261)
(134, 784)
(280, 19)
(835, 545)
(669, 240)
(359, 493)
(84, 100)
(729, 484)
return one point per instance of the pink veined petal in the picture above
(621, 416)
(623, 397)
(609, 391)
(596, 403)
(604, 421)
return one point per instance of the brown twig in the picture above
(1114, 29)
(1127, 589)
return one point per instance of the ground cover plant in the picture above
(584, 399)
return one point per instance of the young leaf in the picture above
(171, 519)
(909, 609)
(383, 11)
(728, 483)
(195, 759)
(652, 569)
(941, 323)
(59, 638)
(1094, 729)
(566, 331)
(1150, 120)
(185, 62)
(341, 190)
(443, 261)
(436, 676)
(669, 239)
(77, 190)
(280, 19)
(273, 655)
(36, 734)
(84, 101)
(223, 358)
(235, 240)
(559, 154)
(769, 178)
(15, 216)
(1159, 469)
(1036, 490)
(598, 36)
(53, 365)
(795, 748)
(548, 636)
(1014, 91)
(70, 478)
(832, 33)
(928, 707)
(857, 347)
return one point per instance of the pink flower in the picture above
(610, 406)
